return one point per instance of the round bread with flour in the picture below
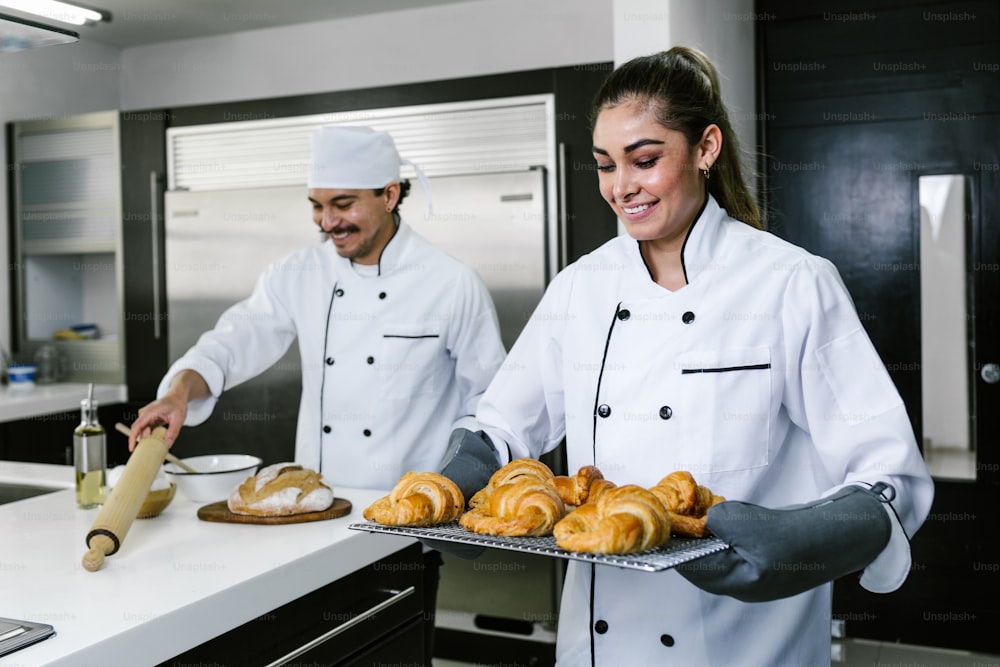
(282, 489)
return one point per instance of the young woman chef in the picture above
(699, 342)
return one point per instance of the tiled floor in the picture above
(858, 653)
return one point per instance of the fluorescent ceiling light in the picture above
(56, 11)
(17, 34)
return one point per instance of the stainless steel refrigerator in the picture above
(219, 242)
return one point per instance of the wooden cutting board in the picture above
(219, 512)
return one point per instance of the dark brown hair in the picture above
(681, 86)
(404, 189)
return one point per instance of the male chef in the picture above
(398, 340)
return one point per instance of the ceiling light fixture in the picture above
(17, 34)
(58, 11)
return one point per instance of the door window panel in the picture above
(948, 439)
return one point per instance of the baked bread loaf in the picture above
(525, 506)
(687, 502)
(627, 519)
(514, 470)
(282, 489)
(419, 499)
(587, 485)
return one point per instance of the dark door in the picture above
(867, 110)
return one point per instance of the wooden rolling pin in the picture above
(123, 503)
(125, 430)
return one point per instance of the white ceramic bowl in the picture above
(216, 477)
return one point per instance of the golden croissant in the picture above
(687, 502)
(418, 499)
(526, 506)
(586, 486)
(627, 519)
(514, 470)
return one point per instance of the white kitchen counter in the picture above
(176, 582)
(40, 474)
(47, 399)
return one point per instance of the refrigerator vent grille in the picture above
(489, 136)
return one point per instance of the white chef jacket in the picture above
(757, 377)
(394, 356)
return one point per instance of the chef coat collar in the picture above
(698, 254)
(700, 249)
(391, 259)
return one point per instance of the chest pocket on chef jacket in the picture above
(412, 361)
(725, 416)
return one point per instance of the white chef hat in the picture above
(357, 158)
(352, 158)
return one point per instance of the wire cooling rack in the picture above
(676, 551)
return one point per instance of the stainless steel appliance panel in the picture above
(217, 243)
(495, 223)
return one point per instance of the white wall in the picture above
(723, 29)
(449, 41)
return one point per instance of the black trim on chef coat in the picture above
(725, 369)
(395, 220)
(406, 336)
(600, 375)
(326, 335)
(593, 585)
(322, 383)
(697, 217)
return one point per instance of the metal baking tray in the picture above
(676, 551)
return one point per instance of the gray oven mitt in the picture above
(470, 461)
(777, 553)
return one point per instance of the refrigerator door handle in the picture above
(563, 224)
(154, 218)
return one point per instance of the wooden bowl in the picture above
(156, 502)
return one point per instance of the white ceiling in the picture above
(139, 22)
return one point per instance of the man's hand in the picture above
(469, 462)
(170, 410)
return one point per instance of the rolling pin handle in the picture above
(115, 542)
(93, 560)
(105, 544)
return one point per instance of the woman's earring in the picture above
(705, 172)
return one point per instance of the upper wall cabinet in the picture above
(67, 239)
(78, 240)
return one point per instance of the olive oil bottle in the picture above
(89, 455)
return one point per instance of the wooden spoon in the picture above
(122, 428)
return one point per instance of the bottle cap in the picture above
(90, 402)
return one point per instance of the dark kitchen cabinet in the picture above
(49, 438)
(371, 617)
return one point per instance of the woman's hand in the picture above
(776, 553)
